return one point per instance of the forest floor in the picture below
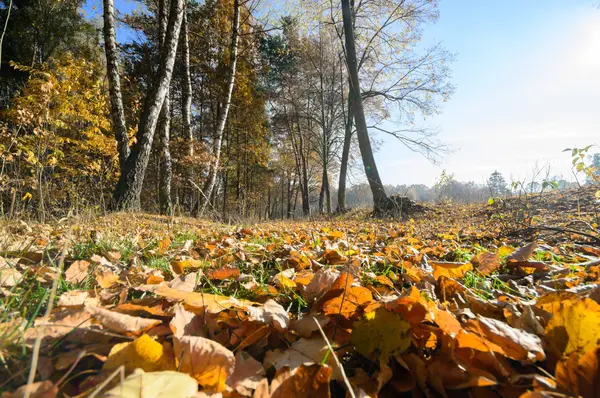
(460, 300)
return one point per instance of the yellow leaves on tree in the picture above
(380, 334)
(575, 327)
(62, 121)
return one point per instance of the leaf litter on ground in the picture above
(448, 302)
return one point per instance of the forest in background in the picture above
(208, 107)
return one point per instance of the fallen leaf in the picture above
(450, 270)
(122, 323)
(247, 374)
(284, 279)
(186, 323)
(76, 298)
(40, 389)
(381, 334)
(184, 283)
(164, 244)
(205, 360)
(580, 375)
(143, 353)
(345, 300)
(501, 338)
(155, 385)
(271, 313)
(320, 283)
(106, 278)
(179, 266)
(305, 381)
(487, 263)
(523, 253)
(77, 272)
(575, 326)
(223, 273)
(212, 303)
(9, 277)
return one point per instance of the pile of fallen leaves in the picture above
(435, 307)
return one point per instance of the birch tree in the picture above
(209, 186)
(164, 126)
(128, 189)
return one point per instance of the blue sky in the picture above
(527, 76)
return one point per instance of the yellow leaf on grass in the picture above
(284, 281)
(164, 244)
(575, 327)
(212, 303)
(205, 360)
(450, 270)
(179, 266)
(106, 278)
(155, 385)
(143, 353)
(505, 251)
(380, 334)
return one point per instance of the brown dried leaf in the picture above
(77, 272)
(305, 381)
(487, 263)
(523, 253)
(120, 322)
(207, 361)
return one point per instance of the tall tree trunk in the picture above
(212, 174)
(164, 127)
(341, 194)
(186, 99)
(290, 190)
(117, 112)
(187, 88)
(166, 165)
(327, 192)
(380, 198)
(129, 187)
(322, 191)
(305, 193)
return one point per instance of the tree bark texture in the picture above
(117, 112)
(129, 187)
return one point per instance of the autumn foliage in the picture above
(437, 306)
